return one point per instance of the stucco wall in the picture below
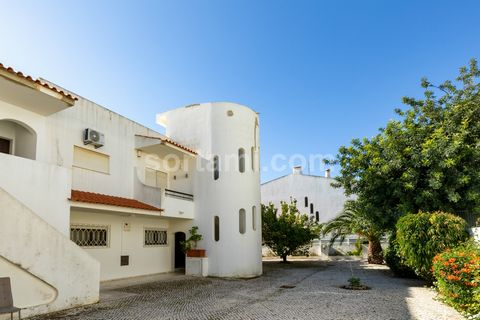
(210, 130)
(33, 245)
(476, 233)
(328, 201)
(143, 260)
(42, 187)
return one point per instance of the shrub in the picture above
(394, 262)
(288, 232)
(457, 274)
(423, 235)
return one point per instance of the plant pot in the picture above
(196, 253)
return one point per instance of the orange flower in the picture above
(451, 277)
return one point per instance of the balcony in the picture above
(175, 204)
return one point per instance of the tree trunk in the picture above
(375, 252)
(284, 259)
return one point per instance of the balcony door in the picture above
(5, 146)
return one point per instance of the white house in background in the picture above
(314, 194)
(87, 195)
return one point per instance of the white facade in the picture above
(314, 194)
(118, 210)
(221, 131)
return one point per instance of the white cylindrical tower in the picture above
(227, 182)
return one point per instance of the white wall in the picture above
(27, 290)
(33, 245)
(42, 187)
(143, 260)
(476, 233)
(209, 130)
(328, 201)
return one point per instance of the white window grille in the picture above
(155, 237)
(91, 236)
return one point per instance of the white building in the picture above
(315, 195)
(87, 195)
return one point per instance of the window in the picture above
(311, 208)
(253, 158)
(216, 228)
(155, 237)
(317, 216)
(216, 168)
(90, 236)
(254, 218)
(91, 160)
(306, 202)
(241, 160)
(155, 178)
(242, 221)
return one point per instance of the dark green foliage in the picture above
(426, 160)
(289, 231)
(394, 262)
(192, 241)
(423, 235)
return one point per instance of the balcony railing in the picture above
(178, 195)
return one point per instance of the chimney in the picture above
(327, 173)
(297, 170)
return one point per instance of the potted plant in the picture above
(189, 246)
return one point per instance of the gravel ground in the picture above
(314, 293)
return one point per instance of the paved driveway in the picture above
(316, 295)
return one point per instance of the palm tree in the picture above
(355, 219)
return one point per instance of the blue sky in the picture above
(319, 72)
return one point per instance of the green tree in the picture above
(288, 231)
(425, 160)
(421, 236)
(355, 219)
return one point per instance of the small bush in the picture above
(457, 274)
(423, 235)
(394, 262)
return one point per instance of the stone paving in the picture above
(315, 295)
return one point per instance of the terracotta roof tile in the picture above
(37, 81)
(167, 140)
(97, 198)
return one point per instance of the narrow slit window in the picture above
(241, 160)
(254, 218)
(216, 168)
(306, 202)
(216, 228)
(252, 156)
(242, 221)
(311, 208)
(317, 216)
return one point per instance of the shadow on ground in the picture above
(307, 289)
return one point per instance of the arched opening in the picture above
(241, 160)
(179, 254)
(242, 217)
(216, 168)
(18, 139)
(216, 228)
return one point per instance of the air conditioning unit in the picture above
(94, 138)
